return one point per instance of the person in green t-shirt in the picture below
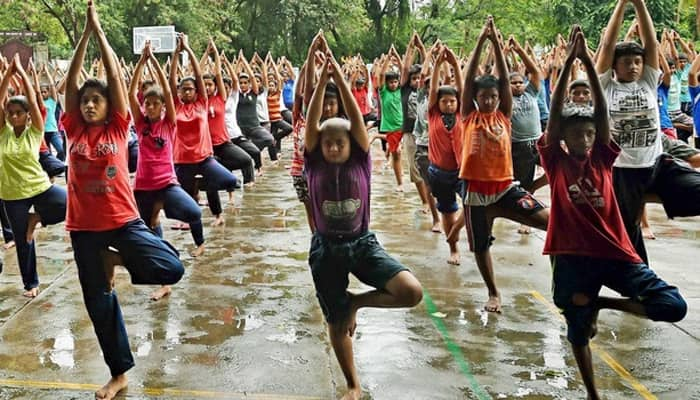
(23, 183)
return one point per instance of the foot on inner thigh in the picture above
(350, 323)
(198, 251)
(8, 245)
(112, 388)
(493, 304)
(31, 293)
(110, 260)
(161, 292)
(32, 222)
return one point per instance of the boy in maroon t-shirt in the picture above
(586, 236)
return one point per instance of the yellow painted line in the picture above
(201, 394)
(602, 354)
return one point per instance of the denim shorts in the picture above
(445, 185)
(331, 260)
(581, 275)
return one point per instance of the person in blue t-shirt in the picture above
(51, 134)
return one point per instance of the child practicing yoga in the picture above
(338, 167)
(586, 236)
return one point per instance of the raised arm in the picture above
(647, 33)
(693, 74)
(168, 95)
(407, 60)
(505, 94)
(30, 93)
(467, 102)
(358, 131)
(76, 68)
(609, 40)
(134, 104)
(117, 97)
(196, 70)
(313, 115)
(218, 72)
(249, 71)
(174, 61)
(530, 65)
(666, 69)
(554, 128)
(4, 86)
(232, 73)
(435, 78)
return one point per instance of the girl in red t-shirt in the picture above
(102, 212)
(193, 146)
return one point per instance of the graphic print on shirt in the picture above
(338, 211)
(583, 192)
(632, 125)
(100, 169)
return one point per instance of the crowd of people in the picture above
(610, 127)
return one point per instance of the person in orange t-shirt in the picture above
(444, 148)
(486, 163)
(102, 212)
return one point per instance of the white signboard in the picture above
(162, 38)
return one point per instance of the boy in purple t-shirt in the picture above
(338, 170)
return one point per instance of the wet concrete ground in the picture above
(244, 322)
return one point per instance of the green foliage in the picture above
(286, 27)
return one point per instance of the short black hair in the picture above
(579, 83)
(485, 82)
(99, 85)
(20, 101)
(415, 69)
(209, 76)
(154, 91)
(446, 90)
(627, 49)
(391, 76)
(187, 79)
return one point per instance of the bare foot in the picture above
(259, 172)
(437, 227)
(161, 292)
(114, 386)
(181, 226)
(454, 258)
(198, 251)
(350, 322)
(110, 260)
(352, 394)
(493, 305)
(425, 209)
(249, 185)
(218, 220)
(524, 230)
(399, 188)
(31, 293)
(231, 199)
(32, 222)
(8, 245)
(648, 233)
(155, 216)
(274, 163)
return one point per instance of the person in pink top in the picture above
(156, 186)
(102, 211)
(193, 147)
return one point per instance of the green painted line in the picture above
(453, 348)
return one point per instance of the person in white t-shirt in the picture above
(629, 74)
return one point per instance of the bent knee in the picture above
(411, 293)
(672, 309)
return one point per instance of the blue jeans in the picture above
(177, 205)
(216, 178)
(580, 275)
(5, 223)
(444, 186)
(150, 261)
(54, 139)
(51, 206)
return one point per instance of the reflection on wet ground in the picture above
(244, 321)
